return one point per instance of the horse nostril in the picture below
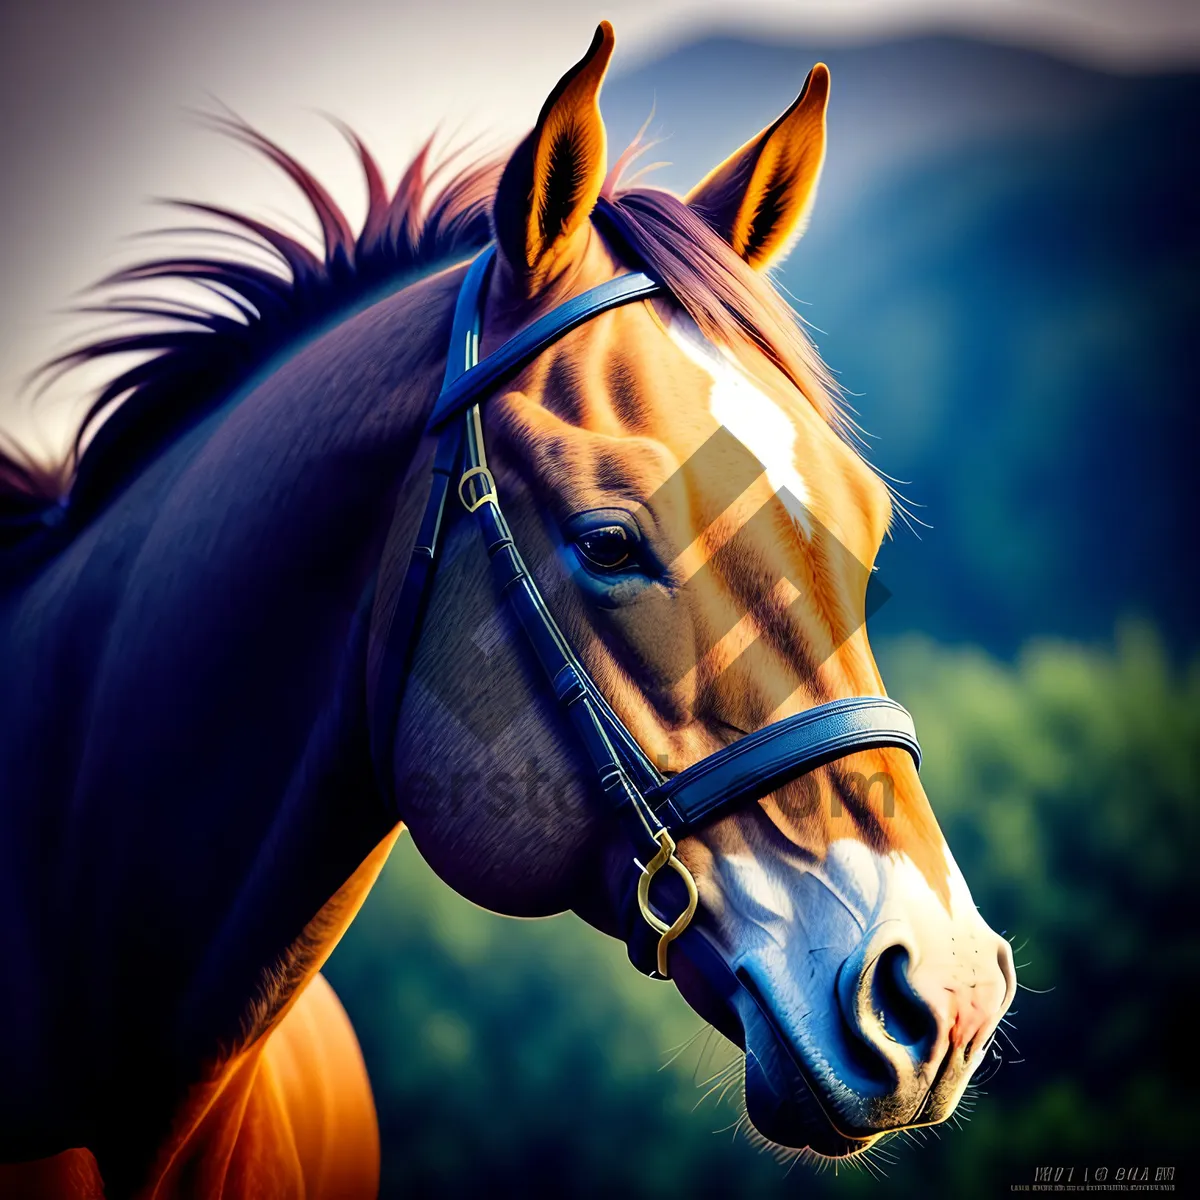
(901, 1012)
(914, 1019)
(892, 1029)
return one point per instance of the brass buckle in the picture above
(486, 496)
(667, 933)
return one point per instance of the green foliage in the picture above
(1067, 790)
(518, 1056)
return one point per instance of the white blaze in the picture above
(737, 402)
(832, 903)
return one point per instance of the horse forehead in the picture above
(637, 373)
(622, 374)
(613, 407)
(740, 405)
(639, 394)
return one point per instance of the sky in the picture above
(100, 102)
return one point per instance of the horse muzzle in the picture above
(885, 1041)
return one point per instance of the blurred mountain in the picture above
(1002, 265)
(892, 103)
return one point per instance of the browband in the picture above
(459, 394)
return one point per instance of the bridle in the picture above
(655, 811)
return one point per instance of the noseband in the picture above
(655, 811)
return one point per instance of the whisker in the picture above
(684, 1045)
(735, 1080)
(720, 1074)
(864, 1160)
(732, 1124)
(1007, 1037)
(704, 1050)
(720, 1081)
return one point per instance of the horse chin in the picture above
(783, 1107)
(781, 1092)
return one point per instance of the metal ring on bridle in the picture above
(488, 495)
(668, 933)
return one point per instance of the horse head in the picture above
(677, 475)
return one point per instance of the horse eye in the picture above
(605, 549)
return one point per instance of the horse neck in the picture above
(279, 521)
(286, 502)
(208, 761)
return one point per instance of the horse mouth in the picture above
(784, 1100)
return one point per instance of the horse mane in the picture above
(191, 355)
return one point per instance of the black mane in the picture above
(193, 355)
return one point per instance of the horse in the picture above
(195, 620)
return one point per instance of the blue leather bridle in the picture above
(656, 811)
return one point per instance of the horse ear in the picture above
(553, 180)
(759, 198)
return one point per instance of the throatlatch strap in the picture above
(403, 628)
